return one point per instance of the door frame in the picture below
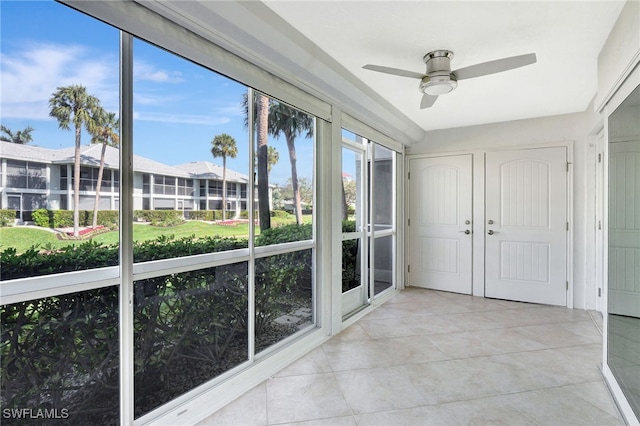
(478, 200)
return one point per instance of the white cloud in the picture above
(29, 76)
(143, 71)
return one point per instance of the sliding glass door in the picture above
(368, 227)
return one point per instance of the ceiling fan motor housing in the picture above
(438, 79)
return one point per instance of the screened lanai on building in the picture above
(478, 150)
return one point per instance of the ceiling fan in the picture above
(439, 79)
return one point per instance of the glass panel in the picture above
(59, 355)
(624, 248)
(188, 133)
(383, 264)
(284, 296)
(351, 266)
(188, 328)
(48, 64)
(384, 190)
(285, 138)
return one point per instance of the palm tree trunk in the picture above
(224, 187)
(294, 178)
(99, 186)
(76, 185)
(345, 208)
(263, 166)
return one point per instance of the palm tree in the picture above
(72, 104)
(21, 137)
(224, 146)
(106, 133)
(261, 115)
(273, 156)
(292, 123)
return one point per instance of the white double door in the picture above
(524, 233)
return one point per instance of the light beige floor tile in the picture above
(307, 397)
(483, 342)
(560, 406)
(315, 362)
(353, 332)
(411, 350)
(398, 327)
(356, 355)
(494, 411)
(333, 421)
(433, 415)
(398, 310)
(378, 389)
(249, 409)
(597, 394)
(562, 334)
(471, 321)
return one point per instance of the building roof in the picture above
(90, 156)
(207, 170)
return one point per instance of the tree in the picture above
(21, 137)
(260, 114)
(73, 105)
(292, 123)
(223, 145)
(273, 156)
(106, 133)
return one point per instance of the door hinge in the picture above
(568, 167)
(599, 292)
(408, 268)
(599, 158)
(599, 226)
(567, 285)
(408, 175)
(408, 222)
(567, 226)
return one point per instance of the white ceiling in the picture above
(566, 36)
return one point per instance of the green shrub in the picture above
(199, 314)
(159, 217)
(7, 217)
(43, 218)
(199, 215)
(281, 214)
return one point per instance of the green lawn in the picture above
(23, 238)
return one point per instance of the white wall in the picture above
(572, 129)
(619, 53)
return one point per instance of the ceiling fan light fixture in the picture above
(438, 84)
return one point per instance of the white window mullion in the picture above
(251, 329)
(126, 230)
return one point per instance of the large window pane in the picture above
(56, 61)
(189, 133)
(61, 353)
(284, 296)
(188, 328)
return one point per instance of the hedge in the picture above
(188, 327)
(64, 218)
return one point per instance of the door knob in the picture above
(467, 222)
(490, 222)
(466, 231)
(491, 232)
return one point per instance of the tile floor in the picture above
(435, 358)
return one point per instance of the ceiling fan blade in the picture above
(496, 66)
(393, 71)
(427, 101)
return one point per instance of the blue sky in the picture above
(179, 107)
